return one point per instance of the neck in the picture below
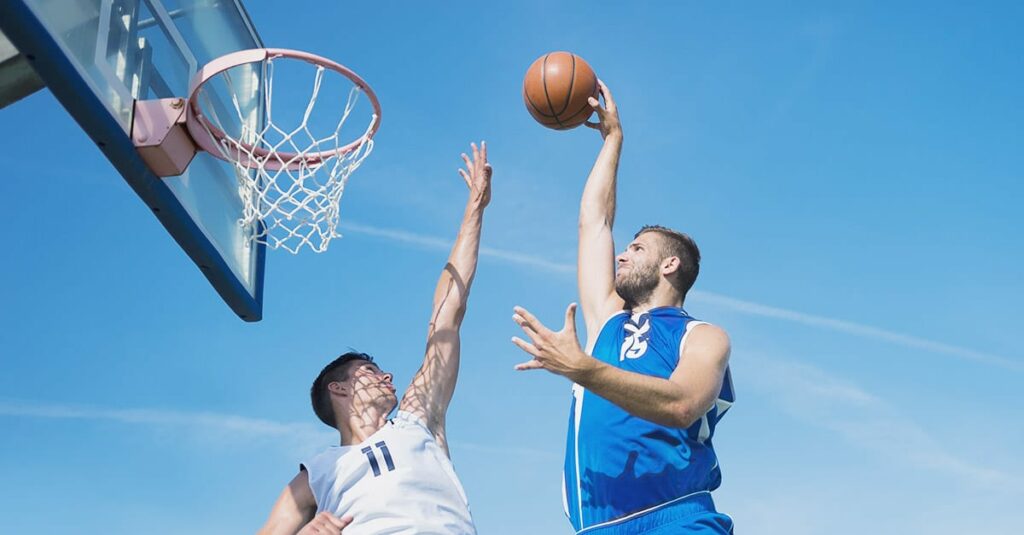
(357, 427)
(662, 296)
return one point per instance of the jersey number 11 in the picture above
(370, 456)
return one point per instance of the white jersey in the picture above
(397, 481)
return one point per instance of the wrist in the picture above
(476, 204)
(586, 370)
(614, 137)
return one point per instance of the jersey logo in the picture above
(637, 335)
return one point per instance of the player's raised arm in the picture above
(432, 387)
(596, 256)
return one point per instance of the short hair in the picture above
(337, 370)
(681, 246)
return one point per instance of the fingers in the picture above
(521, 321)
(525, 346)
(465, 176)
(529, 365)
(570, 318)
(334, 521)
(478, 164)
(476, 154)
(528, 318)
(328, 524)
(595, 126)
(609, 102)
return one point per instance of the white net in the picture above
(291, 197)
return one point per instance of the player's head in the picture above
(657, 255)
(351, 382)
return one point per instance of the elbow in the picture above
(448, 318)
(684, 414)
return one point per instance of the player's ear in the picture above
(337, 388)
(670, 265)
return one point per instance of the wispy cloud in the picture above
(731, 303)
(431, 242)
(856, 329)
(201, 426)
(863, 419)
(302, 438)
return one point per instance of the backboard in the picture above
(98, 57)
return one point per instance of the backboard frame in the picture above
(29, 35)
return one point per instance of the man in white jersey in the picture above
(393, 476)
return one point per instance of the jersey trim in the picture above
(592, 343)
(639, 513)
(686, 334)
(576, 445)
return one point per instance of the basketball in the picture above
(556, 89)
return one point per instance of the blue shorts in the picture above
(692, 515)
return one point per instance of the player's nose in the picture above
(388, 376)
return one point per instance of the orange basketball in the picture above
(556, 89)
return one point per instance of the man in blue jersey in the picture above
(653, 381)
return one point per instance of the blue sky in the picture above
(852, 174)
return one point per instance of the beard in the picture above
(637, 285)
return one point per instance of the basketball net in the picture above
(290, 181)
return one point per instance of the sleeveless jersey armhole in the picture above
(592, 343)
(686, 334)
(302, 468)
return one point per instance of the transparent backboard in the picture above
(98, 57)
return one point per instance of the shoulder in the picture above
(409, 420)
(327, 453)
(706, 340)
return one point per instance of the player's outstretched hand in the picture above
(608, 115)
(558, 352)
(325, 524)
(477, 174)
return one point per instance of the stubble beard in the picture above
(638, 285)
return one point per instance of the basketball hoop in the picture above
(290, 178)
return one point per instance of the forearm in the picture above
(434, 384)
(651, 398)
(597, 205)
(453, 286)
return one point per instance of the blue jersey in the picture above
(617, 464)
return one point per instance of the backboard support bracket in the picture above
(160, 136)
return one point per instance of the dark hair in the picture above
(680, 245)
(337, 370)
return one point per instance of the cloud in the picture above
(731, 303)
(863, 419)
(856, 329)
(431, 242)
(226, 422)
(302, 438)
(207, 427)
